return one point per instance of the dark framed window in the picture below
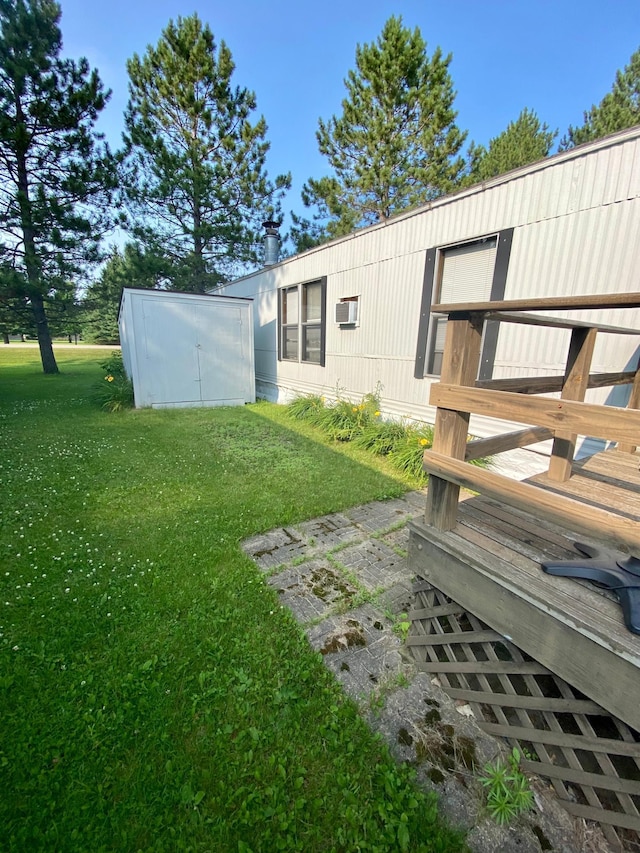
(474, 271)
(302, 322)
(290, 313)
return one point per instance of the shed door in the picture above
(170, 339)
(221, 355)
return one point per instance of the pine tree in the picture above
(52, 167)
(131, 267)
(195, 178)
(619, 109)
(524, 141)
(396, 143)
(15, 316)
(304, 234)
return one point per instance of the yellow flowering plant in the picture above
(115, 392)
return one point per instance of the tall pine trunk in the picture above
(44, 335)
(31, 260)
(198, 284)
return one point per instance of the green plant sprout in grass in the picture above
(402, 626)
(115, 391)
(507, 789)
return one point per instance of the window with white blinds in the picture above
(467, 272)
(466, 275)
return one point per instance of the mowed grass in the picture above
(154, 695)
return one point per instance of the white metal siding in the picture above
(576, 220)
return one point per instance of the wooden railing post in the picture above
(576, 381)
(634, 403)
(460, 364)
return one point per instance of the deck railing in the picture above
(458, 395)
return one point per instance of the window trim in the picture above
(301, 324)
(432, 269)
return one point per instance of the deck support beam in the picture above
(634, 403)
(576, 382)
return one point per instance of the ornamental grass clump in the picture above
(342, 420)
(115, 390)
(381, 437)
(308, 408)
(362, 424)
(345, 421)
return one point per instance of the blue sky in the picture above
(555, 57)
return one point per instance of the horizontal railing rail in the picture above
(459, 395)
(614, 529)
(607, 422)
(554, 384)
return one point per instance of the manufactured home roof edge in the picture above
(574, 153)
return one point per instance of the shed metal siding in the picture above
(187, 350)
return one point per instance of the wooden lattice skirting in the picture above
(591, 758)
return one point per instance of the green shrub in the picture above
(113, 365)
(115, 390)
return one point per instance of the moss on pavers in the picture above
(361, 649)
(313, 589)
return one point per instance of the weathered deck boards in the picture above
(609, 480)
(490, 564)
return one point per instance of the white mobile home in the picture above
(355, 312)
(187, 349)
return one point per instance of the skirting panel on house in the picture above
(591, 758)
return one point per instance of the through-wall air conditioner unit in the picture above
(347, 313)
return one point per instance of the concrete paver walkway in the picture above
(347, 580)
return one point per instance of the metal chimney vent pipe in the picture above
(271, 243)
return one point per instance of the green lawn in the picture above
(154, 695)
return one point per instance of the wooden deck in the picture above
(490, 564)
(546, 662)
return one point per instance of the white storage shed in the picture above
(187, 349)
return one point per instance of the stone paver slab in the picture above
(328, 531)
(376, 565)
(276, 548)
(312, 589)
